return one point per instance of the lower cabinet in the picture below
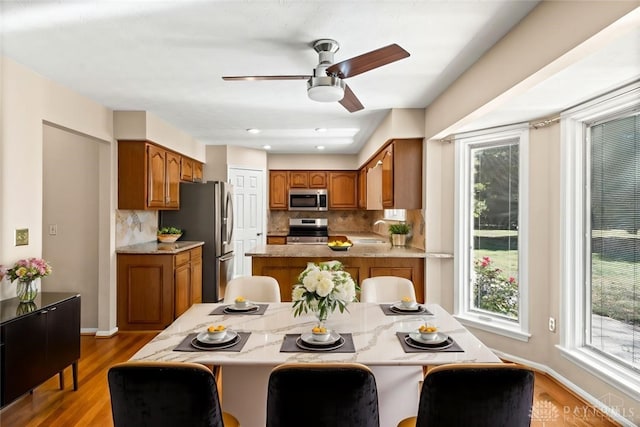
(286, 270)
(276, 240)
(154, 289)
(39, 344)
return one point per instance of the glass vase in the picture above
(322, 317)
(27, 291)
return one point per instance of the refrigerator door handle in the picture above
(229, 217)
(227, 257)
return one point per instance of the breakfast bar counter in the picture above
(358, 250)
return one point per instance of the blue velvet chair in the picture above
(165, 394)
(475, 394)
(322, 395)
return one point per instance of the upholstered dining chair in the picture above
(475, 394)
(386, 289)
(253, 288)
(321, 395)
(165, 394)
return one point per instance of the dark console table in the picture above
(37, 341)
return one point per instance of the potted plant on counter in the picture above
(169, 234)
(399, 233)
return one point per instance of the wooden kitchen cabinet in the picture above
(197, 171)
(276, 240)
(402, 174)
(190, 170)
(278, 190)
(148, 176)
(39, 344)
(307, 179)
(154, 289)
(186, 169)
(343, 190)
(287, 269)
(362, 188)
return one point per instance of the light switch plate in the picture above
(22, 236)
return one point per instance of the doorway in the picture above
(249, 215)
(71, 223)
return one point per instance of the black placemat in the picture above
(289, 345)
(220, 310)
(185, 345)
(454, 348)
(386, 309)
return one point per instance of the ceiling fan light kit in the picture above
(325, 89)
(326, 84)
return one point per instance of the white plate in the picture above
(203, 337)
(399, 307)
(438, 339)
(315, 347)
(212, 347)
(309, 339)
(249, 307)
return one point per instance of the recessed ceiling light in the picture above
(320, 147)
(321, 129)
(254, 131)
(266, 147)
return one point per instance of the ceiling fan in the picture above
(326, 84)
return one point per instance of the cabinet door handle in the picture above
(43, 312)
(53, 308)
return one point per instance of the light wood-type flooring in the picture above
(90, 405)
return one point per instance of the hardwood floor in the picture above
(90, 405)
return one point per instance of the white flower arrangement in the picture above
(322, 288)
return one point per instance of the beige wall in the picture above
(35, 100)
(71, 202)
(399, 123)
(483, 87)
(317, 161)
(222, 157)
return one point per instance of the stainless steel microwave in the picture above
(308, 200)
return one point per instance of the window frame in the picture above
(575, 183)
(497, 324)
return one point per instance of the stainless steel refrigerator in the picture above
(206, 214)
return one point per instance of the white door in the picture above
(249, 212)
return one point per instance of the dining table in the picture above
(369, 333)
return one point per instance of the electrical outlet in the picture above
(22, 236)
(53, 229)
(552, 324)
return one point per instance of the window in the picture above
(491, 231)
(601, 257)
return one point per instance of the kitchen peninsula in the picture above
(286, 262)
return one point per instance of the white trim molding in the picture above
(575, 233)
(519, 329)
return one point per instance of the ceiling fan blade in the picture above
(240, 78)
(350, 101)
(368, 61)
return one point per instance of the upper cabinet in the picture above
(307, 179)
(149, 176)
(394, 176)
(278, 190)
(343, 190)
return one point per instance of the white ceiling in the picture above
(167, 58)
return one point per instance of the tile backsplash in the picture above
(134, 227)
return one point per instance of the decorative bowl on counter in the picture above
(168, 238)
(339, 245)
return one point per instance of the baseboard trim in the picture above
(572, 387)
(107, 334)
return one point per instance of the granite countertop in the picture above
(358, 250)
(158, 248)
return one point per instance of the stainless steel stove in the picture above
(309, 231)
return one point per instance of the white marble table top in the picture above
(374, 336)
